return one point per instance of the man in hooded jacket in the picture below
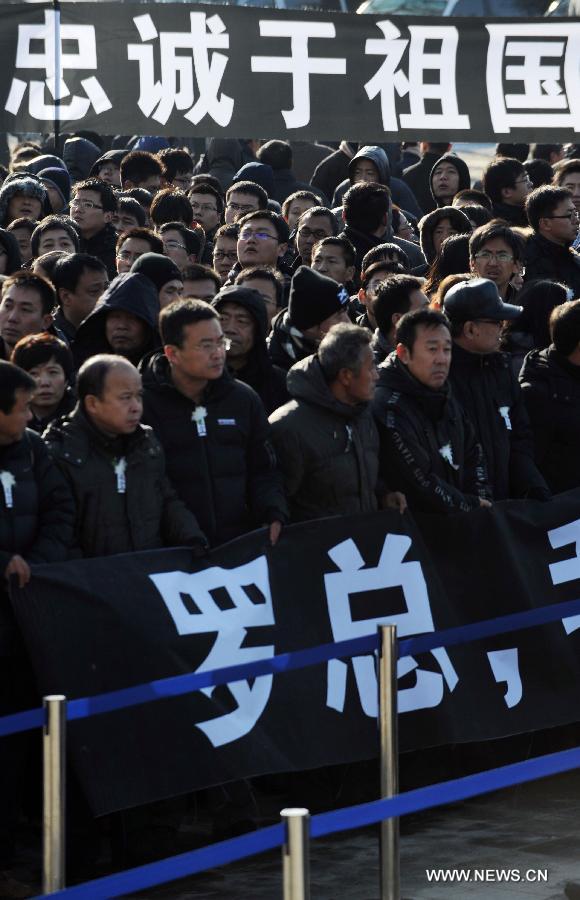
(371, 163)
(449, 175)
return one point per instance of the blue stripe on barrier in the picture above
(183, 684)
(324, 824)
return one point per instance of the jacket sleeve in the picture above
(289, 454)
(56, 509)
(179, 526)
(265, 491)
(525, 478)
(475, 475)
(536, 399)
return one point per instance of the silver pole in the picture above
(295, 854)
(53, 818)
(390, 878)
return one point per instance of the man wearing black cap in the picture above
(483, 381)
(164, 273)
(245, 324)
(316, 304)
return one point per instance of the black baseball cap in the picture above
(476, 299)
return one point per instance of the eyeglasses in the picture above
(203, 207)
(247, 233)
(225, 254)
(307, 232)
(209, 346)
(127, 255)
(240, 207)
(501, 256)
(525, 180)
(84, 204)
(573, 214)
(174, 245)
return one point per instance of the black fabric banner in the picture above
(177, 69)
(97, 625)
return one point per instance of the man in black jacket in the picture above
(428, 446)
(418, 176)
(507, 184)
(213, 428)
(92, 209)
(483, 382)
(549, 254)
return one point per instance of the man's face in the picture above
(258, 244)
(572, 183)
(152, 183)
(118, 410)
(175, 248)
(21, 314)
(296, 209)
(361, 386)
(200, 288)
(125, 332)
(430, 358)
(21, 206)
(225, 255)
(182, 181)
(239, 327)
(495, 260)
(110, 173)
(202, 355)
(130, 250)
(561, 226)
(205, 210)
(267, 291)
(86, 209)
(170, 291)
(123, 221)
(337, 318)
(57, 204)
(55, 239)
(50, 385)
(516, 195)
(443, 230)
(330, 261)
(445, 181)
(368, 295)
(79, 303)
(13, 423)
(365, 170)
(22, 236)
(485, 336)
(239, 204)
(310, 230)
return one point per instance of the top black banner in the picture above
(176, 69)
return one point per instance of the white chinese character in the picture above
(231, 626)
(341, 587)
(390, 79)
(299, 64)
(504, 665)
(551, 92)
(176, 85)
(84, 58)
(567, 569)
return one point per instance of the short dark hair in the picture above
(544, 151)
(22, 222)
(197, 272)
(13, 379)
(205, 178)
(144, 234)
(513, 151)
(141, 195)
(69, 269)
(393, 297)
(175, 317)
(190, 237)
(138, 166)
(251, 188)
(497, 229)
(280, 224)
(130, 206)
(365, 205)
(473, 196)
(104, 190)
(323, 211)
(406, 332)
(501, 173)
(277, 154)
(47, 261)
(230, 230)
(209, 191)
(339, 241)
(543, 201)
(382, 252)
(174, 161)
(54, 223)
(38, 349)
(477, 215)
(565, 327)
(92, 374)
(565, 168)
(381, 265)
(341, 348)
(539, 171)
(171, 205)
(267, 273)
(298, 195)
(27, 279)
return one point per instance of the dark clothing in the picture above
(66, 405)
(306, 155)
(334, 169)
(286, 344)
(418, 178)
(488, 391)
(102, 245)
(286, 183)
(64, 326)
(139, 512)
(513, 215)
(228, 477)
(551, 391)
(381, 347)
(224, 158)
(401, 193)
(545, 259)
(327, 450)
(363, 242)
(428, 446)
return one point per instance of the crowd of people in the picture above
(273, 333)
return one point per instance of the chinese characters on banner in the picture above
(248, 71)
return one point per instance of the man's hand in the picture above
(395, 500)
(483, 502)
(19, 567)
(275, 529)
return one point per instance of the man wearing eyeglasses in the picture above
(244, 197)
(507, 184)
(212, 427)
(314, 225)
(496, 252)
(549, 254)
(483, 382)
(92, 209)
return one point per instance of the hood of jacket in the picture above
(114, 156)
(45, 161)
(378, 157)
(258, 172)
(79, 155)
(22, 183)
(462, 170)
(306, 381)
(429, 223)
(224, 151)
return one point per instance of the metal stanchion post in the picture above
(390, 881)
(53, 816)
(295, 854)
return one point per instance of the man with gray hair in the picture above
(325, 437)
